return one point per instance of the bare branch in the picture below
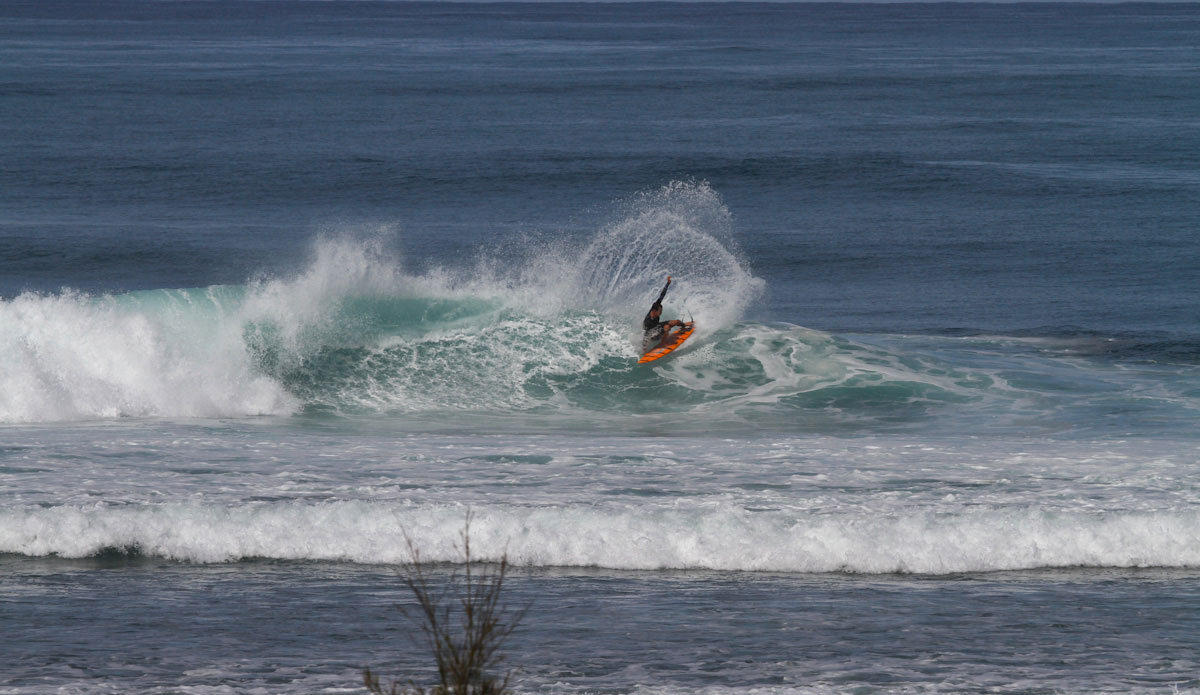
(464, 625)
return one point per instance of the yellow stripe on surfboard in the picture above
(677, 339)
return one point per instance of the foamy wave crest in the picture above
(75, 357)
(211, 352)
(355, 330)
(720, 537)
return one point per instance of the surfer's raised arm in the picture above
(651, 322)
(662, 294)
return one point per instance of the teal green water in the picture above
(284, 284)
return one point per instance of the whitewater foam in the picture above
(714, 536)
(74, 357)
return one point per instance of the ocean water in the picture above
(284, 284)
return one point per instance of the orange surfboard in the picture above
(677, 339)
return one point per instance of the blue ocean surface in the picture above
(287, 285)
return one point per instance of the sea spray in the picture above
(682, 230)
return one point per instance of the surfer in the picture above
(656, 330)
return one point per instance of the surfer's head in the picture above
(656, 311)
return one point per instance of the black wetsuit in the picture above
(654, 329)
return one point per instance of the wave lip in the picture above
(721, 537)
(72, 357)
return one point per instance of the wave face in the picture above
(355, 332)
(546, 329)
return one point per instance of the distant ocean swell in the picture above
(721, 537)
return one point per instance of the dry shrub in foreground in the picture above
(464, 625)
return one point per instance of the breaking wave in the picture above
(715, 537)
(541, 328)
